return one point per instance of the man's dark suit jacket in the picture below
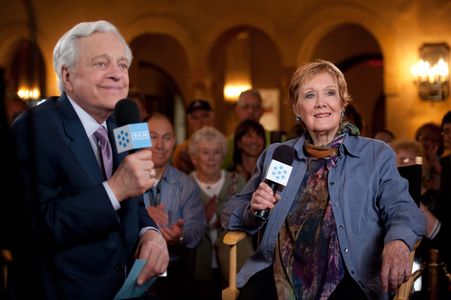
(85, 246)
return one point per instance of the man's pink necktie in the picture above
(106, 157)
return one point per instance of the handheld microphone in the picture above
(131, 134)
(277, 174)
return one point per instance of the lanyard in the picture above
(153, 196)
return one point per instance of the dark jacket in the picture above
(84, 244)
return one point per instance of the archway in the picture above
(263, 63)
(358, 55)
(159, 69)
(26, 73)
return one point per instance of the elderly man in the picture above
(248, 107)
(85, 196)
(175, 205)
(199, 114)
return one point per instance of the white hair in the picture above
(66, 49)
(206, 133)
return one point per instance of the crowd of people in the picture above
(342, 227)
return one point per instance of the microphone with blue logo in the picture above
(277, 175)
(131, 134)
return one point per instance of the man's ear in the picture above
(65, 75)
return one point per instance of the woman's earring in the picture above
(298, 119)
(342, 114)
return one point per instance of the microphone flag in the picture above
(278, 172)
(132, 137)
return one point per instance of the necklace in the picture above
(210, 188)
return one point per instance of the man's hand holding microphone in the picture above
(134, 176)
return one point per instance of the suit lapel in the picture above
(79, 142)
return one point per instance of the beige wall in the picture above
(295, 28)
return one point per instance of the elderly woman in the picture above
(345, 223)
(207, 148)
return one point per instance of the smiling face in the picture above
(251, 144)
(320, 106)
(163, 141)
(99, 79)
(208, 159)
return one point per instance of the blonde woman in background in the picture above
(207, 148)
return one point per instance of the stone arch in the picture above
(15, 37)
(163, 26)
(11, 37)
(258, 21)
(375, 28)
(262, 61)
(314, 27)
(160, 72)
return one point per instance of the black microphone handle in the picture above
(262, 215)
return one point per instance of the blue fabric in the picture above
(370, 201)
(181, 195)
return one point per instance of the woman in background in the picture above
(430, 136)
(248, 143)
(207, 149)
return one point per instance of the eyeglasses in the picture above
(250, 106)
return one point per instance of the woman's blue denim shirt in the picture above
(370, 201)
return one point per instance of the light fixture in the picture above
(28, 94)
(431, 72)
(237, 68)
(233, 90)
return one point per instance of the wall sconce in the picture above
(28, 94)
(237, 67)
(431, 72)
(233, 91)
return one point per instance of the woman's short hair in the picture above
(308, 70)
(242, 129)
(66, 49)
(206, 133)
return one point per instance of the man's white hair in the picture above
(66, 49)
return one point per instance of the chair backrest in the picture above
(413, 174)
